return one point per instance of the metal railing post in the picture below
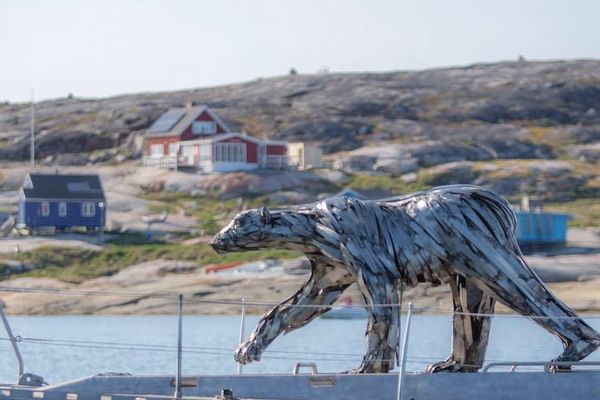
(404, 352)
(13, 340)
(179, 349)
(242, 329)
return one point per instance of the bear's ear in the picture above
(265, 216)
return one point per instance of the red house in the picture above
(194, 137)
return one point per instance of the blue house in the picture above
(62, 202)
(541, 228)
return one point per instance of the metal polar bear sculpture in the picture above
(461, 235)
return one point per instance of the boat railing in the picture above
(548, 365)
(311, 365)
(404, 351)
(180, 349)
(242, 330)
(179, 346)
(13, 341)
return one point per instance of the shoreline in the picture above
(150, 288)
(582, 297)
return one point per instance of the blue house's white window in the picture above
(206, 127)
(62, 209)
(88, 209)
(44, 208)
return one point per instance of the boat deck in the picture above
(580, 385)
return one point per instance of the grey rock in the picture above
(548, 180)
(450, 173)
(395, 166)
(290, 197)
(588, 152)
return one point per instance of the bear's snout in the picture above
(218, 243)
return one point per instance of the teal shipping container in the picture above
(535, 228)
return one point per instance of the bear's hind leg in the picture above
(518, 287)
(469, 332)
(576, 335)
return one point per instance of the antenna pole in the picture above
(32, 133)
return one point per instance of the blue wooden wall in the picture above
(541, 227)
(30, 215)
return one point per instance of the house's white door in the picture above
(262, 154)
(187, 155)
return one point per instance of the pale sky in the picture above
(95, 48)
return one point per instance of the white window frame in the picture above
(62, 209)
(204, 127)
(230, 152)
(44, 208)
(88, 209)
(173, 149)
(157, 150)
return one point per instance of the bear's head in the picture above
(245, 232)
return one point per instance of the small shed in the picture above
(62, 202)
(305, 155)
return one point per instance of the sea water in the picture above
(68, 347)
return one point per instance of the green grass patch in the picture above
(77, 265)
(586, 212)
(210, 212)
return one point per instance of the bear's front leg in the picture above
(381, 295)
(381, 352)
(383, 330)
(247, 352)
(323, 288)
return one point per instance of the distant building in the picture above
(541, 228)
(352, 193)
(232, 152)
(62, 201)
(305, 155)
(195, 138)
(363, 194)
(538, 228)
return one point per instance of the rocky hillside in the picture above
(490, 109)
